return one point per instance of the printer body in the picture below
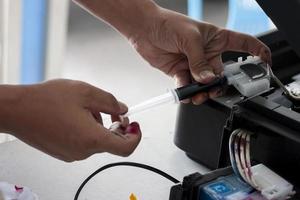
(203, 131)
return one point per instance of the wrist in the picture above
(141, 22)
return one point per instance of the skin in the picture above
(61, 117)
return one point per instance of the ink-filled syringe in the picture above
(175, 95)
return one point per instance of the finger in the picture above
(246, 43)
(101, 101)
(216, 92)
(265, 55)
(218, 64)
(117, 129)
(182, 78)
(123, 121)
(199, 67)
(123, 146)
(199, 98)
(123, 106)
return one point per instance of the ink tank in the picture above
(225, 188)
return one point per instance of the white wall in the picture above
(10, 45)
(10, 41)
(10, 22)
(58, 12)
(1, 37)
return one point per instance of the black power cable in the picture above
(132, 164)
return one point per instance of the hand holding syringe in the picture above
(175, 96)
(250, 77)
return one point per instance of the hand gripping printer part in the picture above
(250, 77)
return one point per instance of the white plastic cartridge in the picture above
(271, 185)
(250, 77)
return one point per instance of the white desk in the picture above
(52, 179)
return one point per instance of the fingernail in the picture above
(205, 75)
(200, 99)
(133, 128)
(18, 189)
(121, 118)
(186, 101)
(123, 108)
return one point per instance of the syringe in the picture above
(248, 76)
(175, 95)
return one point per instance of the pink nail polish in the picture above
(18, 189)
(133, 128)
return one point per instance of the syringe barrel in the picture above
(169, 97)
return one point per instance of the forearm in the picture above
(127, 16)
(11, 97)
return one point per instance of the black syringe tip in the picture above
(189, 91)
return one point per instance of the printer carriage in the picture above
(203, 131)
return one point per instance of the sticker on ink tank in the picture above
(220, 188)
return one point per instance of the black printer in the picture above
(203, 131)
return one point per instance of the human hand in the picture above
(186, 49)
(61, 118)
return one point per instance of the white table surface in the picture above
(52, 179)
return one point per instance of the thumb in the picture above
(199, 67)
(123, 144)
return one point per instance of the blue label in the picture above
(220, 188)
